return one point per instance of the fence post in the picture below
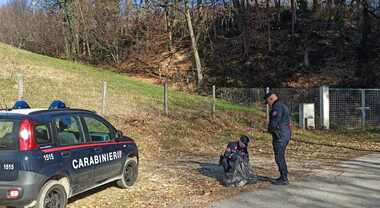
(363, 107)
(324, 99)
(104, 96)
(267, 106)
(166, 103)
(213, 101)
(20, 86)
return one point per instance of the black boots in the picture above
(282, 180)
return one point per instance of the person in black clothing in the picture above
(235, 162)
(240, 147)
(279, 127)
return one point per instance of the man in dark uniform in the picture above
(279, 127)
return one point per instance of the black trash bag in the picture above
(237, 170)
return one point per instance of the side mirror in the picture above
(119, 134)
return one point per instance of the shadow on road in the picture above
(91, 192)
(214, 170)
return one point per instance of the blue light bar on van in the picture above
(21, 104)
(57, 104)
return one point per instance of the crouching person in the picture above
(235, 162)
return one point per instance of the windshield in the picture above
(7, 134)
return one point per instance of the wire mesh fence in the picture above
(292, 97)
(354, 108)
(348, 108)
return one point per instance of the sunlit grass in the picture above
(79, 84)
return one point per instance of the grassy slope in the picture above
(188, 134)
(15, 60)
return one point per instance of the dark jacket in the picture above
(234, 147)
(232, 154)
(279, 122)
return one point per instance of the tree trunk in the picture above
(168, 28)
(269, 27)
(293, 8)
(278, 11)
(128, 7)
(245, 36)
(194, 45)
(306, 57)
(67, 47)
(86, 44)
(365, 30)
(242, 8)
(315, 6)
(70, 39)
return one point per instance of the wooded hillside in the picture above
(229, 43)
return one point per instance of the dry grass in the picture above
(178, 152)
(178, 172)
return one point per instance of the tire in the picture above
(52, 195)
(130, 174)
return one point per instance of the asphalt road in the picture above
(352, 184)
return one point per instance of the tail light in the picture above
(14, 193)
(26, 136)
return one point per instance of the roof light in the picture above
(21, 104)
(57, 104)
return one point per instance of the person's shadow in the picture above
(214, 170)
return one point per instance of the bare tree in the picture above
(294, 13)
(269, 25)
(194, 45)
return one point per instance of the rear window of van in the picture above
(8, 136)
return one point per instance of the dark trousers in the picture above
(279, 148)
(225, 163)
(229, 162)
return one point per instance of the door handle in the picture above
(66, 154)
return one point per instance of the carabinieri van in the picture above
(50, 155)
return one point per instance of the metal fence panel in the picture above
(345, 108)
(373, 102)
(292, 97)
(354, 108)
(349, 108)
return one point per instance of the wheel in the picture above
(130, 173)
(52, 195)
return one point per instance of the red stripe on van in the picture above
(56, 149)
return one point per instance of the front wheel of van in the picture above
(130, 173)
(52, 195)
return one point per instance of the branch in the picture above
(373, 14)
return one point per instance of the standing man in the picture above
(279, 127)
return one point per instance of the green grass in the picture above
(120, 85)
